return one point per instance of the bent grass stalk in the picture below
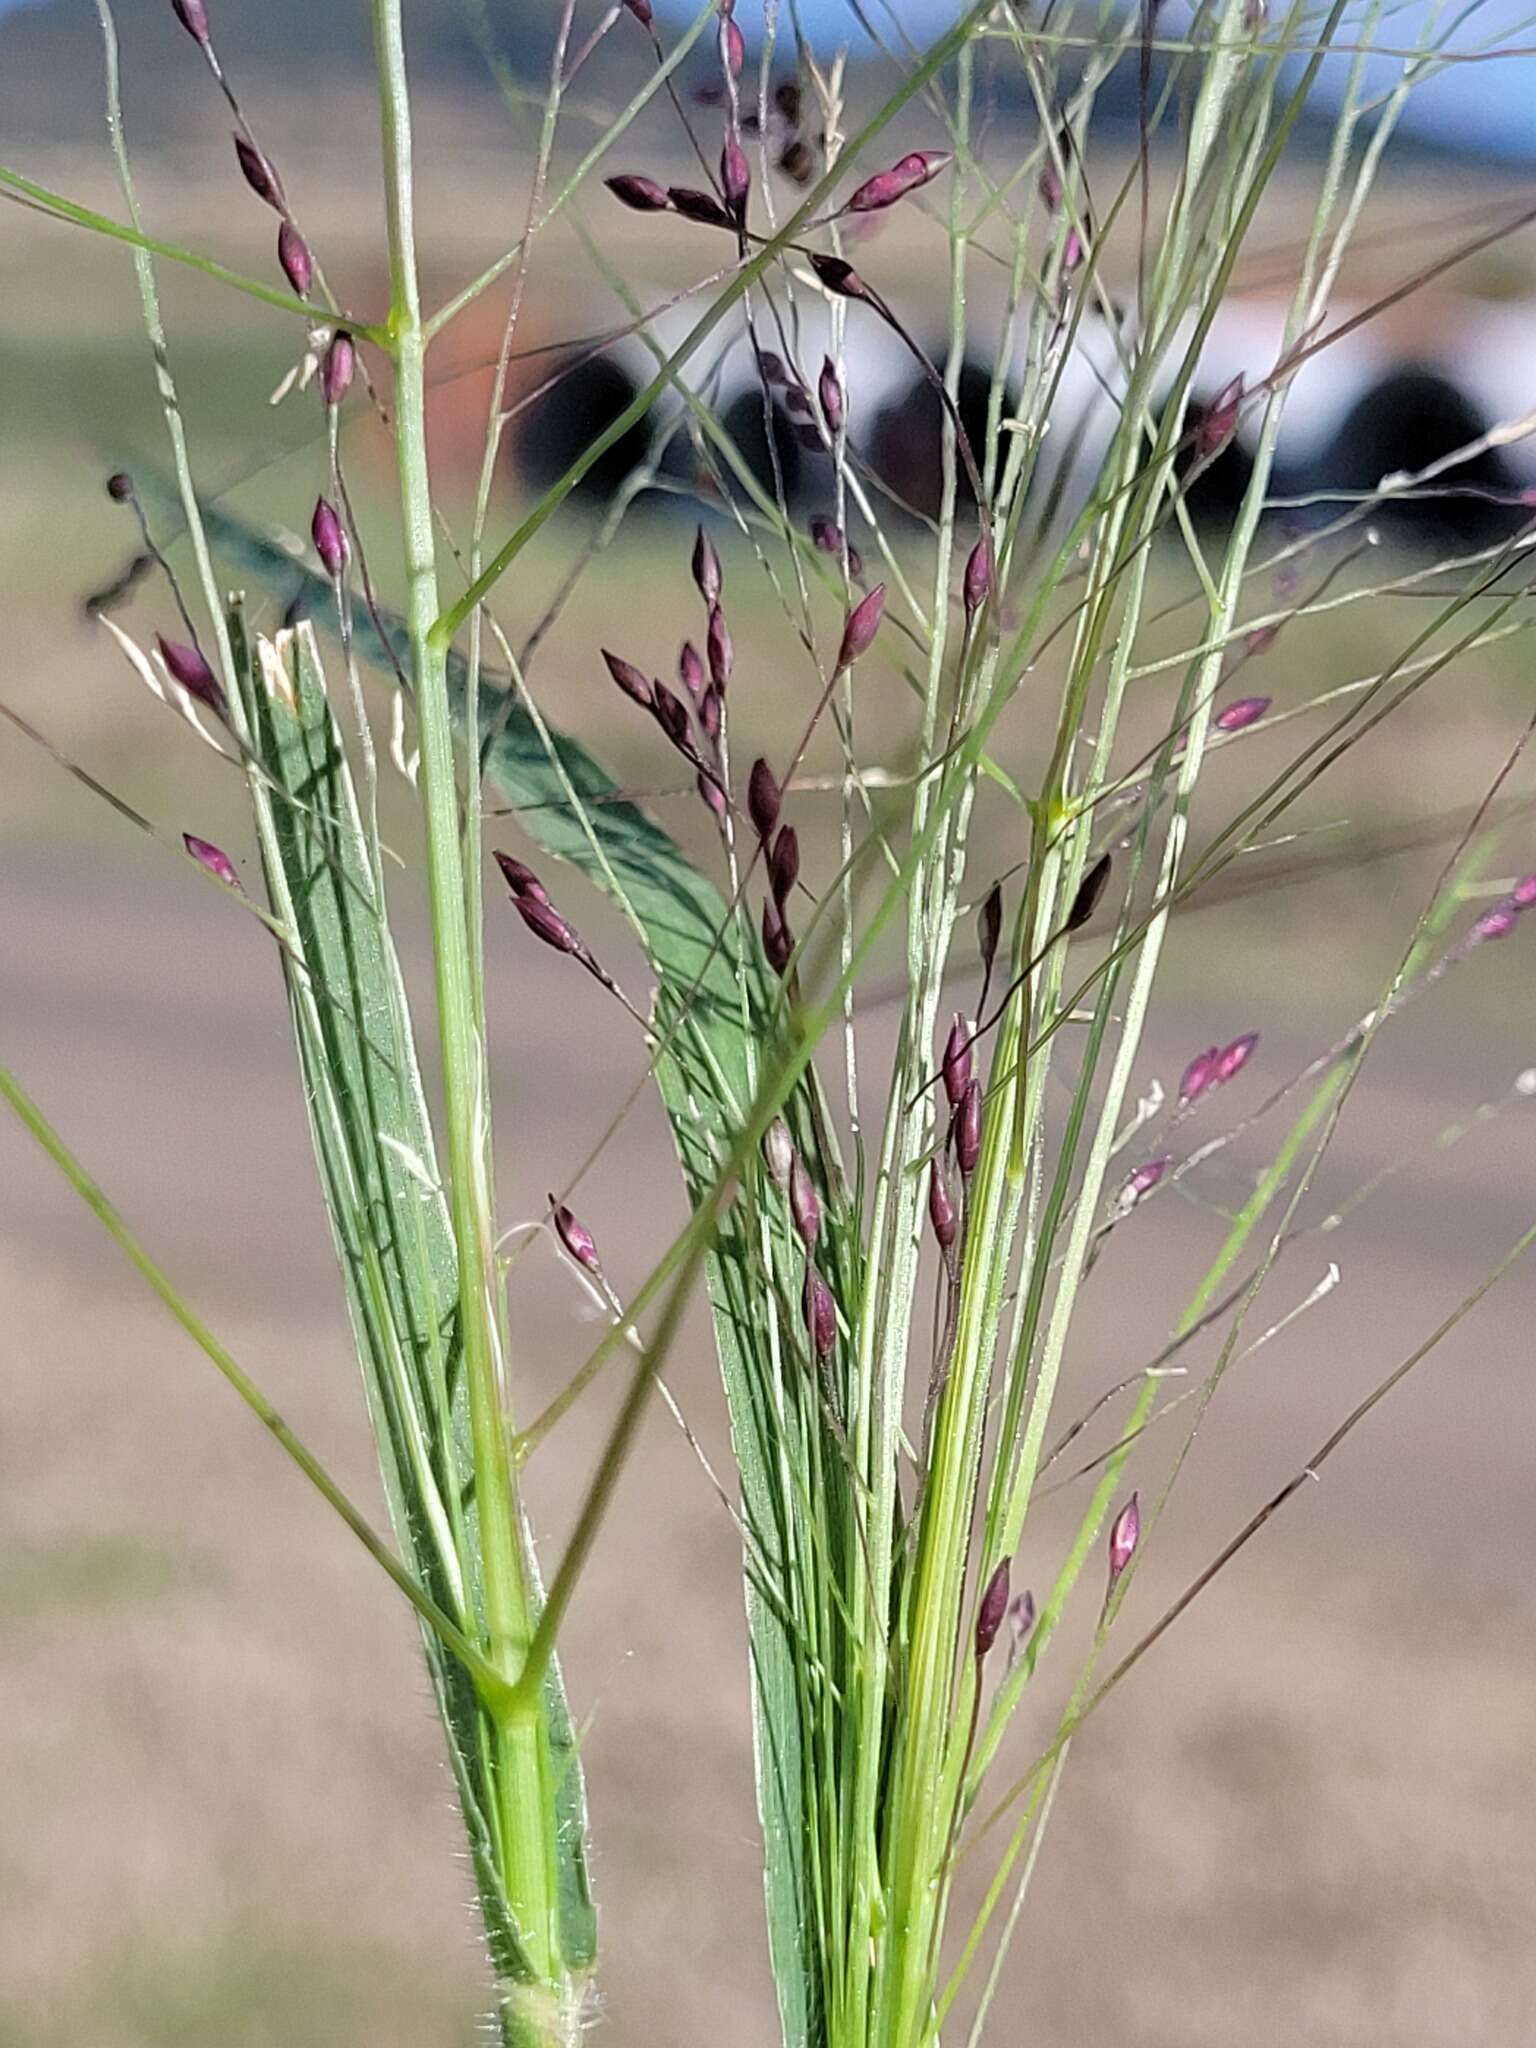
(880, 1714)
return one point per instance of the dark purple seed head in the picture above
(712, 795)
(994, 1605)
(520, 878)
(1232, 1059)
(829, 389)
(1089, 891)
(690, 669)
(886, 187)
(778, 941)
(1218, 423)
(1123, 1537)
(956, 1066)
(575, 1236)
(1523, 895)
(735, 176)
(698, 206)
(120, 488)
(546, 923)
(1246, 711)
(763, 799)
(188, 668)
(641, 10)
(839, 278)
(671, 715)
(710, 714)
(820, 1313)
(1497, 923)
(193, 16)
(989, 926)
(1199, 1074)
(784, 864)
(733, 48)
(293, 253)
(213, 858)
(717, 645)
(976, 585)
(804, 1208)
(642, 194)
(1146, 1178)
(630, 680)
(1260, 640)
(706, 568)
(336, 371)
(329, 537)
(862, 625)
(779, 1152)
(259, 173)
(942, 1213)
(770, 367)
(967, 1129)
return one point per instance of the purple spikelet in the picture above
(575, 1236)
(1218, 423)
(989, 926)
(1246, 711)
(942, 1213)
(1123, 1538)
(712, 795)
(298, 264)
(1523, 895)
(1089, 891)
(735, 177)
(976, 585)
(193, 16)
(829, 389)
(211, 857)
(717, 645)
(886, 187)
(778, 941)
(839, 278)
(709, 714)
(967, 1129)
(1144, 1179)
(641, 194)
(956, 1066)
(519, 878)
(701, 207)
(259, 173)
(862, 625)
(763, 799)
(804, 1208)
(1232, 1059)
(672, 716)
(641, 10)
(690, 669)
(1199, 1075)
(1497, 923)
(706, 568)
(994, 1605)
(546, 923)
(632, 681)
(827, 535)
(336, 371)
(784, 864)
(188, 667)
(820, 1313)
(330, 538)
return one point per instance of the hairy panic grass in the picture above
(894, 1296)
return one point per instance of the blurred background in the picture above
(1310, 1816)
